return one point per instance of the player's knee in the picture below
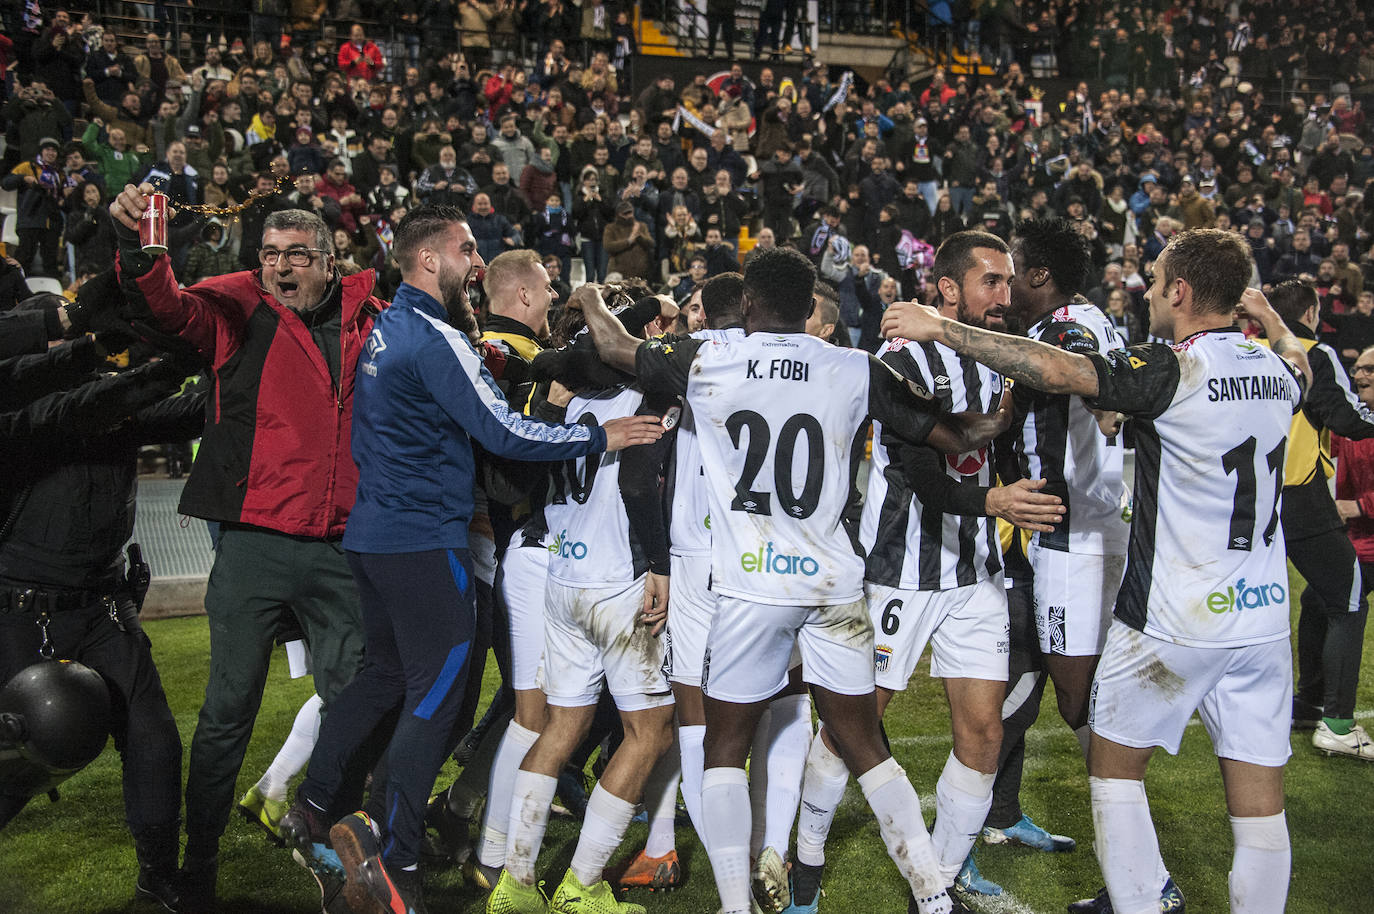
(978, 741)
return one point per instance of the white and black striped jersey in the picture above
(1206, 564)
(1057, 438)
(603, 539)
(909, 543)
(777, 416)
(690, 525)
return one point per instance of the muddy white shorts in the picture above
(524, 572)
(751, 647)
(967, 628)
(593, 635)
(1074, 598)
(1147, 689)
(691, 606)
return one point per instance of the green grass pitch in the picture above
(76, 856)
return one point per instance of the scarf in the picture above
(261, 129)
(49, 177)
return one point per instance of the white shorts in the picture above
(592, 635)
(524, 572)
(1074, 597)
(966, 626)
(691, 606)
(1146, 689)
(752, 645)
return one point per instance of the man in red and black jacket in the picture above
(274, 472)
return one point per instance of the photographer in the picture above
(32, 115)
(71, 439)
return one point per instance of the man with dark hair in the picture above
(1331, 624)
(933, 571)
(1078, 565)
(1214, 411)
(423, 396)
(784, 572)
(282, 342)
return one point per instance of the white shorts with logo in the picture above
(1074, 598)
(752, 646)
(524, 572)
(593, 635)
(691, 606)
(967, 627)
(1147, 689)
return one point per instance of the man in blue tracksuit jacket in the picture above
(422, 396)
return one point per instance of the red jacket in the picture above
(366, 61)
(276, 449)
(1355, 482)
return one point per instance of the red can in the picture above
(152, 228)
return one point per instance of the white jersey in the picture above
(1206, 565)
(776, 419)
(907, 546)
(594, 545)
(1058, 439)
(691, 518)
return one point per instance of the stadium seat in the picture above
(8, 235)
(39, 284)
(9, 201)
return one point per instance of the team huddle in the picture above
(718, 580)
(685, 545)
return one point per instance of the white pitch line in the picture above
(1006, 903)
(1038, 735)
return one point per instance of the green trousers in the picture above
(258, 577)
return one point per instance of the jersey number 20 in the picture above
(750, 430)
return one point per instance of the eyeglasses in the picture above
(1362, 369)
(296, 257)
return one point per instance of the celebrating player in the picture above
(778, 415)
(1202, 616)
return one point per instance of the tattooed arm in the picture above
(1039, 365)
(1285, 344)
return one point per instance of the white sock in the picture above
(894, 801)
(295, 752)
(1126, 844)
(691, 744)
(725, 804)
(789, 738)
(531, 795)
(963, 797)
(660, 802)
(1260, 864)
(491, 850)
(602, 830)
(1084, 735)
(822, 790)
(758, 783)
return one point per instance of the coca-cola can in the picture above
(152, 228)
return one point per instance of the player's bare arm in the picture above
(1040, 365)
(1285, 344)
(959, 433)
(615, 346)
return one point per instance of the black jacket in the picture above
(70, 462)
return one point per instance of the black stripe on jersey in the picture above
(943, 392)
(1051, 444)
(1134, 598)
(888, 555)
(854, 509)
(932, 522)
(964, 571)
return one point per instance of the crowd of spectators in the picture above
(1246, 115)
